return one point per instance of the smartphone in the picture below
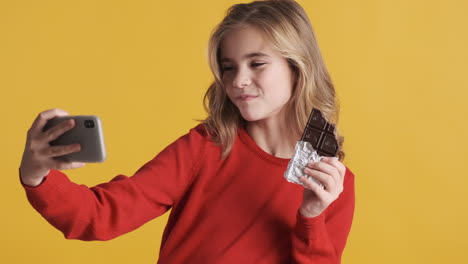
(87, 132)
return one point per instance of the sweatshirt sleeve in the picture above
(322, 239)
(114, 208)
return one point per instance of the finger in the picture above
(327, 169)
(326, 180)
(56, 131)
(337, 164)
(313, 186)
(57, 151)
(43, 117)
(63, 165)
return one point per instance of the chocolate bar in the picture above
(320, 134)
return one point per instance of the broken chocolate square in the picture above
(320, 134)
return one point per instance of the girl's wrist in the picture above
(308, 213)
(31, 181)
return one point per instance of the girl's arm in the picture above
(322, 239)
(123, 204)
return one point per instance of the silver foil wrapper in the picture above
(303, 154)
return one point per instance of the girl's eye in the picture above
(227, 68)
(256, 64)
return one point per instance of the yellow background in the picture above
(399, 68)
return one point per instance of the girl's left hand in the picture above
(330, 173)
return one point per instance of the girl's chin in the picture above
(251, 117)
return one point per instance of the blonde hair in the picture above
(286, 26)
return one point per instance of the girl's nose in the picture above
(242, 79)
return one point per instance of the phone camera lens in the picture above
(89, 123)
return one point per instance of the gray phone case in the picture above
(87, 132)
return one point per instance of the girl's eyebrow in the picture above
(250, 55)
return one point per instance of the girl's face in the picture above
(257, 79)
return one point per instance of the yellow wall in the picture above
(399, 67)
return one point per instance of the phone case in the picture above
(87, 132)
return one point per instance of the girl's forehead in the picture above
(244, 42)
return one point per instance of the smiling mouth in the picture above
(246, 97)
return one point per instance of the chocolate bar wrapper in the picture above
(318, 139)
(303, 154)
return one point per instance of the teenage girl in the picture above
(224, 179)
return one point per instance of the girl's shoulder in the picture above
(201, 130)
(198, 136)
(198, 143)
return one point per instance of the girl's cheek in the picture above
(262, 76)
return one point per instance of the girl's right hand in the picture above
(39, 157)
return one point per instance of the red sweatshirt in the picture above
(237, 210)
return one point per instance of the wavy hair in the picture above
(287, 28)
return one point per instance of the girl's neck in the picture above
(273, 136)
